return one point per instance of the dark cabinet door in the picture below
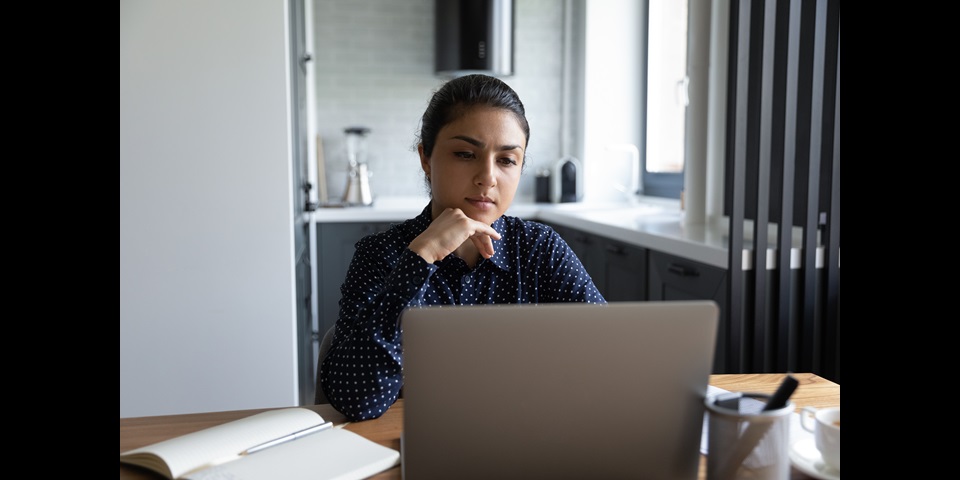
(619, 270)
(623, 269)
(336, 243)
(676, 278)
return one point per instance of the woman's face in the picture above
(476, 164)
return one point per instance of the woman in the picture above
(460, 250)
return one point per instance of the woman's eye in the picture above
(464, 154)
(508, 161)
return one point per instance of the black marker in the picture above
(780, 397)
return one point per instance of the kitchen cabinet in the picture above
(675, 278)
(622, 270)
(336, 242)
(618, 269)
(625, 272)
(631, 259)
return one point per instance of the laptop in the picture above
(569, 390)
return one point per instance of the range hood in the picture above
(474, 36)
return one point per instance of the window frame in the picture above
(653, 184)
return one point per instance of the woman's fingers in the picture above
(484, 244)
(483, 239)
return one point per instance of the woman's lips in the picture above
(482, 203)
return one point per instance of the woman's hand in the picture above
(449, 231)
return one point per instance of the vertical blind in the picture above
(782, 190)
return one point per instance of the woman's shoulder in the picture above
(528, 228)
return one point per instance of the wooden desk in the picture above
(140, 431)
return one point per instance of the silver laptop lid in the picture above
(556, 390)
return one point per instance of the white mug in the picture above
(826, 432)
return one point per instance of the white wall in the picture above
(374, 66)
(207, 288)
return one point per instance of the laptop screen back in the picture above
(556, 390)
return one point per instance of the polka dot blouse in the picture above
(362, 373)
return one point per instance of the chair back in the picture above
(321, 397)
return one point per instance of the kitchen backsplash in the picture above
(374, 67)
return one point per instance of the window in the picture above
(635, 91)
(664, 124)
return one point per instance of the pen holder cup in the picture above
(744, 442)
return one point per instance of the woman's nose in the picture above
(487, 175)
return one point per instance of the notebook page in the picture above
(224, 442)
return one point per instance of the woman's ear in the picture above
(424, 161)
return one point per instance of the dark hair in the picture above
(457, 96)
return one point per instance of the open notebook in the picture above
(556, 390)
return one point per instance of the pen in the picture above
(287, 438)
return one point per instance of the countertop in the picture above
(655, 224)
